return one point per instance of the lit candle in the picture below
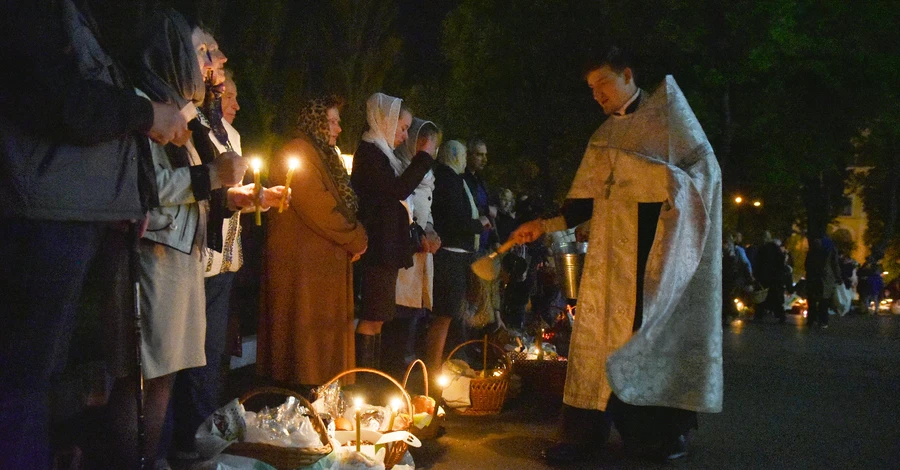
(443, 381)
(357, 402)
(256, 163)
(292, 165)
(539, 343)
(395, 407)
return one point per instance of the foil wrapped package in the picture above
(288, 425)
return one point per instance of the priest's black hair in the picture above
(616, 57)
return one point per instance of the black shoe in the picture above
(675, 449)
(569, 452)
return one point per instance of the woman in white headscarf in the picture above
(456, 219)
(385, 209)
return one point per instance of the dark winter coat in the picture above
(382, 214)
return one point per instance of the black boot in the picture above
(395, 333)
(368, 351)
(584, 435)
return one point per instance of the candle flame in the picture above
(443, 381)
(395, 404)
(347, 160)
(256, 163)
(293, 163)
(357, 402)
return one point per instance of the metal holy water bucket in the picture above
(569, 258)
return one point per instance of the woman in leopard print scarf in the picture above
(315, 123)
(305, 333)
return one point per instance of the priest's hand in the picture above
(583, 232)
(528, 232)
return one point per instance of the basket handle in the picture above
(274, 391)
(424, 374)
(378, 373)
(479, 341)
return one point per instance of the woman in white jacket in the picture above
(414, 284)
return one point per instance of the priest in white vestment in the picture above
(646, 351)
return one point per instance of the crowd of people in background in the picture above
(762, 277)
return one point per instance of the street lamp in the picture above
(738, 200)
(757, 203)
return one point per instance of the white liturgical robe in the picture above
(659, 153)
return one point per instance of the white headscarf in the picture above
(382, 114)
(453, 154)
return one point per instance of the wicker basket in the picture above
(395, 450)
(758, 296)
(430, 431)
(486, 393)
(284, 458)
(545, 379)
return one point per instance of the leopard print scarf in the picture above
(313, 122)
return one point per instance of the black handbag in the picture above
(416, 238)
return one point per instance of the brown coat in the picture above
(306, 319)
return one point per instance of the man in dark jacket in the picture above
(72, 174)
(476, 160)
(769, 268)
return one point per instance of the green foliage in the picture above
(776, 85)
(284, 52)
(781, 87)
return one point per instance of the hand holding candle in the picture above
(256, 164)
(293, 163)
(358, 402)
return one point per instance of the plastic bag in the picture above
(841, 300)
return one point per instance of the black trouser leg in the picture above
(649, 426)
(368, 351)
(399, 340)
(582, 426)
(648, 218)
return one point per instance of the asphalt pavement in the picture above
(795, 398)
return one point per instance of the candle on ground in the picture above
(395, 407)
(358, 402)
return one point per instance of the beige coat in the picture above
(306, 317)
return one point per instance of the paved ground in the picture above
(794, 398)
